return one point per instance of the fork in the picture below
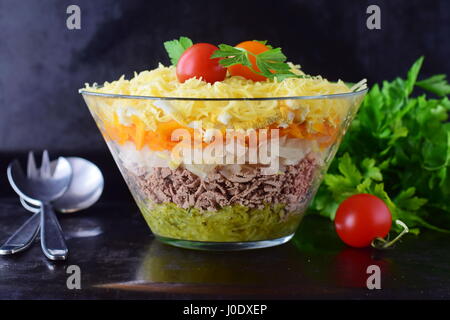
(40, 188)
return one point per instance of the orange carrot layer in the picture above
(161, 138)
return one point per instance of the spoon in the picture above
(43, 187)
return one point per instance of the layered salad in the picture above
(227, 144)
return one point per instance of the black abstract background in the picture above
(42, 63)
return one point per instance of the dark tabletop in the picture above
(119, 258)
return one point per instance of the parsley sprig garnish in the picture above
(271, 63)
(175, 48)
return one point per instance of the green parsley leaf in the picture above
(436, 84)
(231, 56)
(371, 170)
(175, 48)
(407, 200)
(412, 75)
(271, 63)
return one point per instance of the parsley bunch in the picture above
(397, 148)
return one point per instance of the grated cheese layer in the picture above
(162, 82)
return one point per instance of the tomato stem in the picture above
(383, 243)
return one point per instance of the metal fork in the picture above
(39, 188)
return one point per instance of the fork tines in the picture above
(45, 166)
(44, 172)
(31, 166)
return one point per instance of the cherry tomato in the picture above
(361, 218)
(195, 62)
(243, 71)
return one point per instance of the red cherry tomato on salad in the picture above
(254, 47)
(361, 218)
(195, 62)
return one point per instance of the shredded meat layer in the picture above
(243, 185)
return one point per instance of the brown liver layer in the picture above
(248, 187)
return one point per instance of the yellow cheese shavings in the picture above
(162, 82)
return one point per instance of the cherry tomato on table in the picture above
(254, 47)
(195, 62)
(361, 218)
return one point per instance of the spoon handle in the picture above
(23, 237)
(52, 238)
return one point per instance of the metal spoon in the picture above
(43, 188)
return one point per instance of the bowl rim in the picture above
(317, 97)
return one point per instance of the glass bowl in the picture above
(214, 187)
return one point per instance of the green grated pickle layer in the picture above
(229, 224)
